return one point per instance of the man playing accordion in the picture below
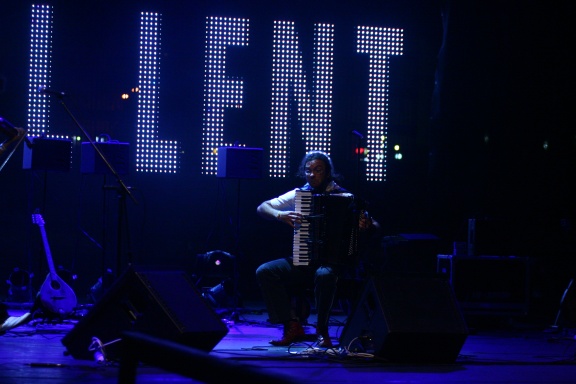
(321, 254)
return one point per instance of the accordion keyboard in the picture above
(301, 251)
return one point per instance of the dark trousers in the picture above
(279, 281)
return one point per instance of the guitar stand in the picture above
(42, 315)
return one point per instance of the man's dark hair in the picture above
(318, 155)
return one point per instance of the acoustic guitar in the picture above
(55, 294)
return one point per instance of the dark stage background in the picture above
(482, 86)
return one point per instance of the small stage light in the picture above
(216, 277)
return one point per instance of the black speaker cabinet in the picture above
(117, 155)
(48, 155)
(407, 320)
(165, 304)
(240, 162)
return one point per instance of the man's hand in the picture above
(289, 217)
(366, 222)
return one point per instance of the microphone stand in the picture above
(359, 138)
(123, 190)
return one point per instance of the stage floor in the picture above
(512, 353)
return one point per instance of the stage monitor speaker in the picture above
(163, 304)
(117, 154)
(407, 320)
(240, 162)
(48, 155)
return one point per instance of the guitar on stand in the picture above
(55, 294)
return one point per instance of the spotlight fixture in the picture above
(216, 277)
(213, 267)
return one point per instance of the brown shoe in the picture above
(293, 332)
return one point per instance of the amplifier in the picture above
(48, 155)
(240, 163)
(117, 154)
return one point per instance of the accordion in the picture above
(329, 230)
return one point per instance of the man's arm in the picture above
(280, 208)
(267, 211)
